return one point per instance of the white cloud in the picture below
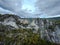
(12, 5)
(50, 7)
(15, 6)
(46, 8)
(3, 11)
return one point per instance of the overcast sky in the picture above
(31, 8)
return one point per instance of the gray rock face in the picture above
(48, 29)
(15, 22)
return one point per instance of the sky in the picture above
(31, 8)
(28, 5)
(50, 7)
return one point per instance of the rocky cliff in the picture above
(49, 29)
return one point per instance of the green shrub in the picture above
(23, 37)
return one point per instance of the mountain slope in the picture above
(15, 21)
(48, 28)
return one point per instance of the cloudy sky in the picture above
(31, 8)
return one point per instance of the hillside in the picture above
(42, 31)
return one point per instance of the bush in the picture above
(23, 37)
